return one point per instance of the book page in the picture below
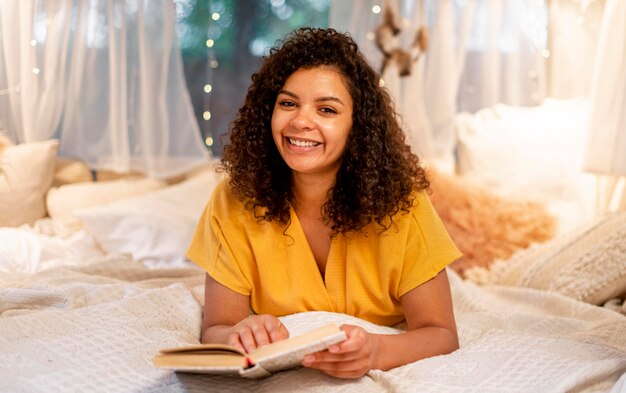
(290, 352)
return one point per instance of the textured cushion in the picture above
(63, 201)
(588, 264)
(27, 174)
(485, 226)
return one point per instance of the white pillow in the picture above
(154, 228)
(27, 172)
(534, 152)
(63, 201)
(23, 250)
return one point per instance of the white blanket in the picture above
(96, 328)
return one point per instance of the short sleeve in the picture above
(211, 250)
(429, 248)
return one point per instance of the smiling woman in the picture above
(331, 215)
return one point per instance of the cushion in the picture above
(531, 151)
(154, 228)
(70, 171)
(27, 174)
(63, 201)
(586, 264)
(486, 226)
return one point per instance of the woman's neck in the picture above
(311, 192)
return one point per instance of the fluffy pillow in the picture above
(27, 171)
(63, 201)
(483, 225)
(587, 264)
(154, 228)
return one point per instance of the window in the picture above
(223, 42)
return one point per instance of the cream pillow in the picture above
(27, 174)
(69, 171)
(588, 264)
(63, 201)
(153, 228)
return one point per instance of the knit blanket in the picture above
(96, 328)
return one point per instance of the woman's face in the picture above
(312, 119)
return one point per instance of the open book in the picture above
(225, 359)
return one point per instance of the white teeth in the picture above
(302, 143)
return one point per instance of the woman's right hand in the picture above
(256, 331)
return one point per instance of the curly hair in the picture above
(378, 175)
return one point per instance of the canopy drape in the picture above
(105, 77)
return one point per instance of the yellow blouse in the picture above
(366, 273)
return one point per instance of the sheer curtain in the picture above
(480, 52)
(105, 77)
(605, 149)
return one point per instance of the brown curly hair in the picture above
(378, 173)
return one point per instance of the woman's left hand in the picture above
(351, 358)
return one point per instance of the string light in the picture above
(206, 115)
(376, 9)
(208, 141)
(36, 71)
(33, 42)
(215, 16)
(208, 88)
(210, 43)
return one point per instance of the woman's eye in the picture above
(328, 110)
(287, 104)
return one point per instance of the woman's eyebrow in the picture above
(320, 99)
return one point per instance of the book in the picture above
(268, 359)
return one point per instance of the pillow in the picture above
(587, 264)
(155, 228)
(70, 171)
(63, 201)
(483, 225)
(27, 171)
(531, 151)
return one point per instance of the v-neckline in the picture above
(311, 261)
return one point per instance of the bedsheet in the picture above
(96, 327)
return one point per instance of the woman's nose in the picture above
(302, 119)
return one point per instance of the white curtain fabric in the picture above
(105, 77)
(480, 52)
(605, 148)
(573, 39)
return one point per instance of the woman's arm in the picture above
(431, 331)
(226, 319)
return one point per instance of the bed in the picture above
(91, 292)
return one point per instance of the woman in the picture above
(325, 209)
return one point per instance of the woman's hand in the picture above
(351, 358)
(256, 331)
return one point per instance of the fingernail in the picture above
(333, 349)
(308, 359)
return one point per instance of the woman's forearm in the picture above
(395, 350)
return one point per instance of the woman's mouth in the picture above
(302, 143)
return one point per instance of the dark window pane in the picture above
(222, 43)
